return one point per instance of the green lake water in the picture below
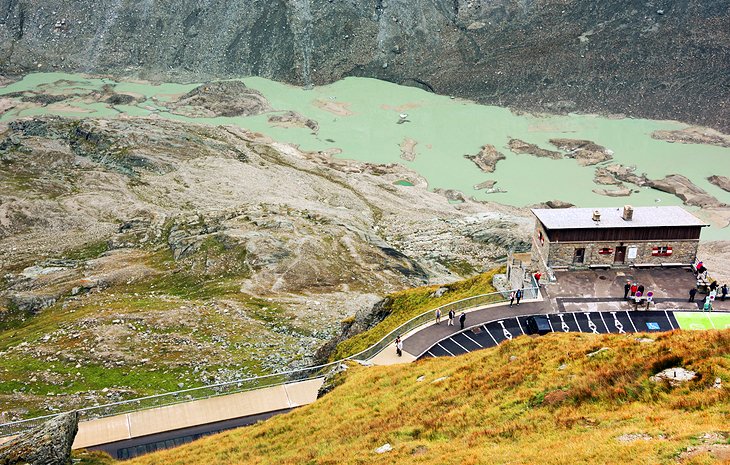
(445, 130)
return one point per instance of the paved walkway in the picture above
(425, 337)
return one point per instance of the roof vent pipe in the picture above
(628, 212)
(596, 215)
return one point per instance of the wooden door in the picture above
(620, 256)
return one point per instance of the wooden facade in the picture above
(666, 233)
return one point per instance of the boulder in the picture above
(48, 444)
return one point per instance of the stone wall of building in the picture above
(562, 254)
(540, 248)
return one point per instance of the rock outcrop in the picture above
(487, 158)
(549, 55)
(684, 189)
(292, 119)
(584, 152)
(720, 181)
(520, 146)
(361, 322)
(221, 98)
(48, 444)
(694, 135)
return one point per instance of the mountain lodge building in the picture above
(582, 238)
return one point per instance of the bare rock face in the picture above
(584, 152)
(48, 444)
(487, 158)
(223, 98)
(694, 135)
(606, 178)
(558, 204)
(292, 119)
(684, 189)
(720, 181)
(520, 146)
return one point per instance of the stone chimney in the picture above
(628, 213)
(596, 215)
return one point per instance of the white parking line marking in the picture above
(711, 322)
(490, 335)
(518, 324)
(472, 340)
(429, 353)
(577, 324)
(550, 323)
(457, 343)
(447, 350)
(604, 323)
(632, 321)
(669, 319)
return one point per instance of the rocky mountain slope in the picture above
(183, 254)
(651, 59)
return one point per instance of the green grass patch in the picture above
(703, 320)
(88, 251)
(404, 305)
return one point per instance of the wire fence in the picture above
(260, 382)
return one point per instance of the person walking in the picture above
(451, 318)
(627, 288)
(708, 305)
(438, 316)
(462, 319)
(692, 293)
(633, 289)
(723, 292)
(511, 298)
(518, 296)
(398, 346)
(640, 289)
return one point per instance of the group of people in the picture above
(713, 290)
(515, 295)
(452, 317)
(633, 291)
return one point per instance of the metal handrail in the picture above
(257, 382)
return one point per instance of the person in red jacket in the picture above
(634, 288)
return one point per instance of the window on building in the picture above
(605, 251)
(661, 251)
(579, 255)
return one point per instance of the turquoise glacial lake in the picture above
(360, 117)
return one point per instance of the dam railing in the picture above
(265, 381)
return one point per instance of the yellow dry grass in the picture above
(529, 401)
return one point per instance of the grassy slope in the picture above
(511, 404)
(410, 303)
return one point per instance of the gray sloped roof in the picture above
(644, 217)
